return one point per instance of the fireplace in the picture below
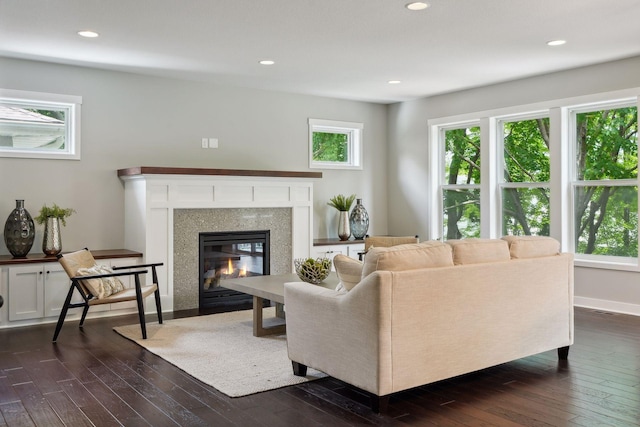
(230, 255)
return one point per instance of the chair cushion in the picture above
(407, 257)
(532, 246)
(477, 251)
(349, 270)
(103, 287)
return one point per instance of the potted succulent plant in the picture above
(343, 204)
(51, 217)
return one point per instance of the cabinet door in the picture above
(26, 292)
(56, 287)
(330, 252)
(355, 250)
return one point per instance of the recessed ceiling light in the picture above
(267, 62)
(417, 5)
(88, 34)
(394, 82)
(556, 42)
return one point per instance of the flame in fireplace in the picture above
(243, 271)
(229, 266)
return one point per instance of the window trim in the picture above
(354, 132)
(70, 103)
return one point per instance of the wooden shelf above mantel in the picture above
(157, 170)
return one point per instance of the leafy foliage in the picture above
(330, 147)
(54, 212)
(341, 202)
(462, 166)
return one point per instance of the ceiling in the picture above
(347, 49)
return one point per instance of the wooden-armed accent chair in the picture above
(99, 285)
(385, 242)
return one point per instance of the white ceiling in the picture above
(337, 48)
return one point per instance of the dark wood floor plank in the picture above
(66, 410)
(88, 404)
(36, 405)
(15, 414)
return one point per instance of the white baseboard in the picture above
(606, 305)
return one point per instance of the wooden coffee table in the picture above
(270, 287)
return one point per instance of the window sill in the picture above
(607, 265)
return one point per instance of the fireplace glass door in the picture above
(230, 255)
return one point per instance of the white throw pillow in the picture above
(102, 287)
(349, 270)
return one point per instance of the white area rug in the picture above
(220, 350)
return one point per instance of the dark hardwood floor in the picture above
(96, 377)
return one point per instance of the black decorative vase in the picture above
(19, 231)
(359, 220)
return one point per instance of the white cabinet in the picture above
(329, 251)
(37, 291)
(34, 291)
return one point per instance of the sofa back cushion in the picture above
(407, 257)
(478, 251)
(532, 246)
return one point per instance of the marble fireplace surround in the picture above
(162, 202)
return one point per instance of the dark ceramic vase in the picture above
(19, 231)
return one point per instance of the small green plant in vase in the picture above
(51, 217)
(343, 203)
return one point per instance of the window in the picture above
(461, 182)
(39, 125)
(564, 168)
(605, 194)
(335, 145)
(525, 190)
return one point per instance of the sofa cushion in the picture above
(349, 270)
(478, 251)
(407, 257)
(532, 246)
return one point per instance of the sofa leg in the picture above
(299, 369)
(379, 404)
(563, 353)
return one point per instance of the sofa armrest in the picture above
(346, 335)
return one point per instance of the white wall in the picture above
(134, 120)
(408, 171)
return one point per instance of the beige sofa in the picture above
(424, 312)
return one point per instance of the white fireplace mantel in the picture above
(152, 193)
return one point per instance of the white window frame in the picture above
(352, 130)
(572, 111)
(71, 104)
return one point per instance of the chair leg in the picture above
(63, 313)
(143, 326)
(158, 305)
(85, 310)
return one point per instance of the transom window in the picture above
(39, 125)
(335, 144)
